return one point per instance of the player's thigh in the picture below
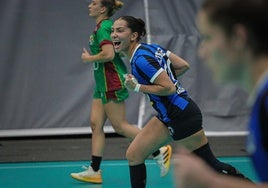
(116, 112)
(193, 141)
(97, 114)
(154, 135)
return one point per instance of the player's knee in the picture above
(119, 127)
(95, 127)
(119, 130)
(130, 155)
(133, 156)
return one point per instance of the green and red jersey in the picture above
(109, 76)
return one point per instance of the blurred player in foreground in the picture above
(235, 46)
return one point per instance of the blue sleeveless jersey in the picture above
(258, 132)
(147, 62)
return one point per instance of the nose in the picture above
(113, 35)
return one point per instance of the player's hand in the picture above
(131, 83)
(85, 56)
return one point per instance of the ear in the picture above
(134, 37)
(240, 36)
(103, 9)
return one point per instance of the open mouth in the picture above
(116, 44)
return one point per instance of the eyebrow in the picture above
(120, 27)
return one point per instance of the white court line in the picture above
(66, 165)
(226, 133)
(87, 130)
(148, 162)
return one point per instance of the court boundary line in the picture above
(21, 165)
(87, 130)
(43, 164)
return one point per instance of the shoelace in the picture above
(85, 167)
(84, 173)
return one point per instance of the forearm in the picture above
(105, 55)
(181, 71)
(179, 65)
(162, 85)
(100, 57)
(157, 90)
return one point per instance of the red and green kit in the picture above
(109, 76)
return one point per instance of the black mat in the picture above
(78, 147)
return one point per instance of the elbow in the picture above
(186, 67)
(107, 56)
(110, 57)
(181, 71)
(170, 90)
(173, 90)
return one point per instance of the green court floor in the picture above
(115, 174)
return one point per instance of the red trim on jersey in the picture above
(112, 78)
(98, 26)
(105, 42)
(111, 95)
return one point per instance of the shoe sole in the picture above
(89, 180)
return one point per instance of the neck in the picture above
(132, 48)
(100, 18)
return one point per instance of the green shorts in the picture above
(116, 96)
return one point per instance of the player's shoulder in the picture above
(106, 23)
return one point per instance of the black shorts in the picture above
(187, 122)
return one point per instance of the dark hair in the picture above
(252, 14)
(112, 6)
(135, 25)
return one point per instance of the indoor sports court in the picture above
(48, 161)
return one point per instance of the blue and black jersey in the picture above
(258, 132)
(147, 62)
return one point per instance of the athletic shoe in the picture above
(230, 170)
(163, 159)
(88, 175)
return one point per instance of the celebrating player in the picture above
(154, 73)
